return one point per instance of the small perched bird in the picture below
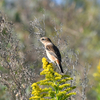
(52, 52)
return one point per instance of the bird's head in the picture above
(45, 40)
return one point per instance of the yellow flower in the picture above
(98, 67)
(61, 93)
(36, 90)
(34, 86)
(52, 93)
(46, 89)
(95, 74)
(56, 74)
(45, 63)
(64, 85)
(68, 89)
(55, 86)
(44, 59)
(62, 81)
(69, 78)
(57, 78)
(72, 93)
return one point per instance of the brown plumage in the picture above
(52, 52)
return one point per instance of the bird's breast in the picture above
(51, 57)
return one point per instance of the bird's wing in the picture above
(53, 50)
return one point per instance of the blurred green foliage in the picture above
(77, 21)
(97, 81)
(17, 17)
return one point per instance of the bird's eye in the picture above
(43, 39)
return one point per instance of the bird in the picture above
(52, 52)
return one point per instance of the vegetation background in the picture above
(72, 25)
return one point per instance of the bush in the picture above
(56, 86)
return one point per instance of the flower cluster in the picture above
(97, 74)
(55, 85)
(97, 80)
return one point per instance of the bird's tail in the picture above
(60, 66)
